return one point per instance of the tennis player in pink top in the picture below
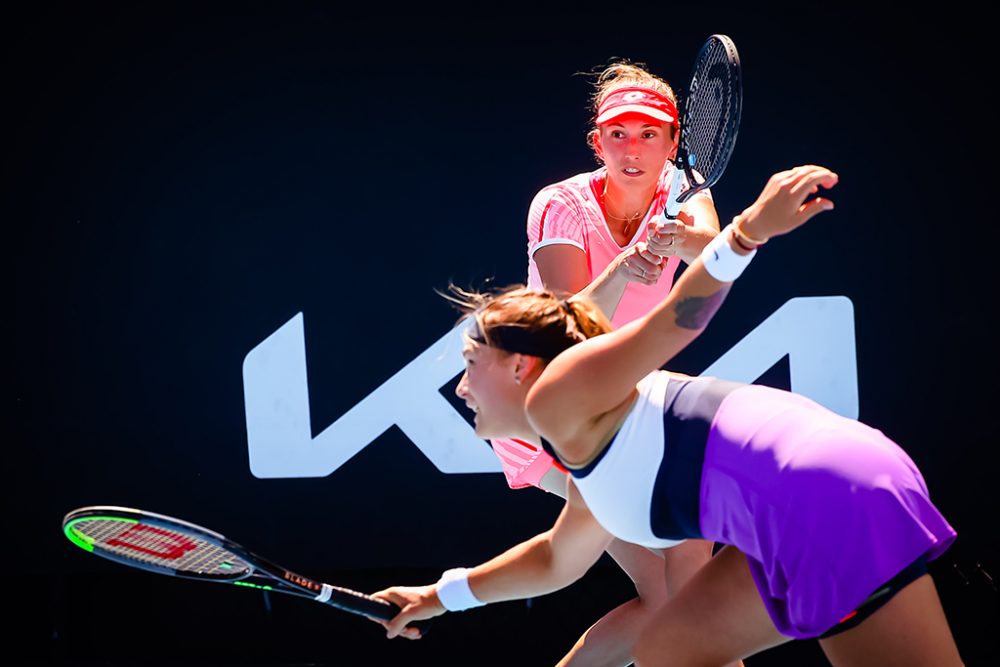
(590, 233)
(601, 233)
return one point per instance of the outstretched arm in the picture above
(543, 564)
(591, 378)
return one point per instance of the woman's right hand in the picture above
(639, 265)
(416, 603)
(783, 205)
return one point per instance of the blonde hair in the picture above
(538, 316)
(624, 74)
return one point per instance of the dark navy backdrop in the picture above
(181, 180)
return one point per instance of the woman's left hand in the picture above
(787, 202)
(666, 238)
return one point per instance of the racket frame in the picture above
(683, 166)
(263, 574)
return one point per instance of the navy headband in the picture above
(545, 343)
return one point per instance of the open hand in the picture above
(784, 203)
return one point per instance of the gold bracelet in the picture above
(748, 240)
(737, 241)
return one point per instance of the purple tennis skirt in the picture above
(825, 508)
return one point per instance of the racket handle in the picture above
(366, 605)
(673, 206)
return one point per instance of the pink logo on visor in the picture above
(644, 101)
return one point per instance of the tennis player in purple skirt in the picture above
(828, 523)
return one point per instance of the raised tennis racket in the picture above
(170, 546)
(710, 120)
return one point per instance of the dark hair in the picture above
(527, 321)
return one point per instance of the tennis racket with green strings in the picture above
(170, 546)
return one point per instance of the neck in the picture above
(531, 438)
(626, 204)
(524, 431)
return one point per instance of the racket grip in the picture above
(366, 605)
(673, 206)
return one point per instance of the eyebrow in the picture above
(654, 126)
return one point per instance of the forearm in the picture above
(607, 289)
(526, 570)
(691, 305)
(698, 237)
(545, 563)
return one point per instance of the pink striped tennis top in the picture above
(571, 212)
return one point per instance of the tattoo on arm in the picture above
(695, 312)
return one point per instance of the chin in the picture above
(487, 433)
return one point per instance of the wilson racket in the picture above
(709, 119)
(170, 546)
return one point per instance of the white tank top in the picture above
(619, 490)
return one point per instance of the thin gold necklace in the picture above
(628, 220)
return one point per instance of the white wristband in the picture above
(721, 261)
(453, 590)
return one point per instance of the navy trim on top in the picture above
(575, 472)
(688, 411)
(578, 472)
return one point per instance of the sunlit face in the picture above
(634, 149)
(490, 388)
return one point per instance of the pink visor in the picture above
(643, 101)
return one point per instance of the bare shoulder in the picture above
(579, 442)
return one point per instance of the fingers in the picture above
(392, 595)
(784, 203)
(664, 226)
(814, 207)
(643, 266)
(651, 257)
(414, 611)
(397, 626)
(402, 631)
(407, 632)
(809, 178)
(666, 238)
(799, 181)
